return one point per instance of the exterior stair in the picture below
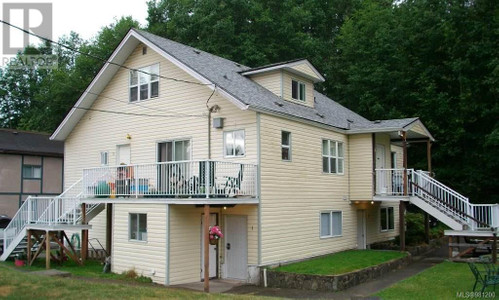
(63, 209)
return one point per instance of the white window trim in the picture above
(330, 156)
(299, 83)
(138, 222)
(286, 146)
(244, 139)
(106, 153)
(331, 222)
(130, 86)
(387, 219)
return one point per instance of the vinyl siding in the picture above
(144, 257)
(99, 131)
(373, 225)
(361, 167)
(400, 156)
(185, 239)
(304, 68)
(269, 80)
(294, 193)
(287, 93)
(418, 129)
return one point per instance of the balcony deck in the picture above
(184, 182)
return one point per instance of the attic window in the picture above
(144, 83)
(144, 50)
(298, 90)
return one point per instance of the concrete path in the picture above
(216, 285)
(362, 291)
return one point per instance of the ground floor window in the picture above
(138, 227)
(387, 219)
(331, 224)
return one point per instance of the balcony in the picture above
(204, 179)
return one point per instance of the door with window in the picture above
(173, 177)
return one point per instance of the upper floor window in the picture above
(104, 158)
(234, 143)
(298, 90)
(144, 83)
(332, 157)
(387, 218)
(286, 145)
(32, 172)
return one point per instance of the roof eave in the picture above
(288, 67)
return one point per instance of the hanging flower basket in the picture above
(215, 234)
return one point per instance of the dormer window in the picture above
(297, 90)
(144, 83)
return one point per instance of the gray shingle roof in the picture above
(25, 142)
(226, 75)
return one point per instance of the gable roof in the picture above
(25, 142)
(227, 78)
(292, 66)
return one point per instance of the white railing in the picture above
(29, 212)
(61, 211)
(181, 179)
(390, 182)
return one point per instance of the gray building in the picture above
(30, 164)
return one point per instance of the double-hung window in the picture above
(234, 143)
(332, 157)
(387, 220)
(104, 158)
(331, 224)
(298, 90)
(138, 227)
(144, 83)
(286, 145)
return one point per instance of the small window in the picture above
(144, 83)
(332, 157)
(298, 90)
(32, 172)
(138, 227)
(387, 219)
(234, 143)
(104, 158)
(286, 145)
(331, 224)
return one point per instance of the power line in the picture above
(100, 58)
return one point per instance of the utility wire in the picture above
(100, 58)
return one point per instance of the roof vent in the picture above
(197, 51)
(318, 114)
(278, 104)
(349, 121)
(225, 76)
(377, 121)
(237, 64)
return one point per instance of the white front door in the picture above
(123, 154)
(236, 247)
(380, 164)
(361, 229)
(213, 249)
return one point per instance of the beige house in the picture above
(287, 173)
(30, 164)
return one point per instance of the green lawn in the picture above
(342, 262)
(92, 269)
(443, 281)
(23, 285)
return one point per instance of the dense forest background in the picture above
(436, 59)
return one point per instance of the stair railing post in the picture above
(29, 210)
(207, 178)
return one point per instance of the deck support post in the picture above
(109, 227)
(84, 234)
(404, 156)
(494, 247)
(206, 234)
(427, 227)
(47, 249)
(28, 246)
(450, 246)
(402, 225)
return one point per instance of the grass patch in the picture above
(342, 262)
(23, 285)
(91, 269)
(443, 281)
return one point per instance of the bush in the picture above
(414, 234)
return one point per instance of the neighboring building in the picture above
(30, 165)
(288, 173)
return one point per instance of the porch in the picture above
(179, 182)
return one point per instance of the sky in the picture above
(85, 17)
